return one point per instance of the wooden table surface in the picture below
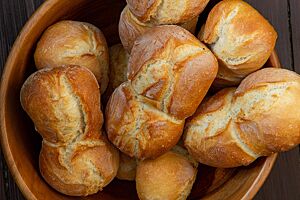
(284, 180)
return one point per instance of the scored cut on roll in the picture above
(64, 103)
(170, 176)
(167, 11)
(240, 37)
(130, 28)
(236, 126)
(74, 43)
(169, 73)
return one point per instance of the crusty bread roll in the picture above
(169, 73)
(127, 168)
(241, 39)
(74, 43)
(131, 28)
(118, 61)
(236, 126)
(64, 104)
(166, 12)
(170, 176)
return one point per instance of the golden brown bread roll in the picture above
(169, 73)
(170, 176)
(241, 39)
(167, 11)
(118, 61)
(131, 28)
(127, 168)
(236, 126)
(74, 43)
(75, 159)
(118, 65)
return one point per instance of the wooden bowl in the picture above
(21, 144)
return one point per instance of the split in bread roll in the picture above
(74, 43)
(130, 28)
(169, 73)
(127, 168)
(167, 11)
(75, 159)
(240, 37)
(170, 176)
(236, 126)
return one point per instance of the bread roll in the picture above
(241, 39)
(167, 11)
(127, 168)
(74, 43)
(118, 61)
(170, 176)
(131, 28)
(236, 126)
(169, 73)
(64, 104)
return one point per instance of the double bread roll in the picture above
(236, 126)
(74, 43)
(162, 12)
(170, 176)
(169, 73)
(130, 27)
(64, 104)
(240, 37)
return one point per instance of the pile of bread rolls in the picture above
(157, 128)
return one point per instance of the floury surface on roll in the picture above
(74, 43)
(240, 37)
(162, 12)
(236, 126)
(130, 27)
(64, 104)
(169, 73)
(170, 176)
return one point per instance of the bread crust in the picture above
(138, 129)
(74, 43)
(177, 52)
(240, 37)
(75, 159)
(169, 73)
(130, 27)
(127, 168)
(170, 176)
(118, 61)
(162, 12)
(259, 118)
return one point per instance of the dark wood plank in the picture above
(13, 15)
(2, 179)
(295, 32)
(284, 180)
(276, 11)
